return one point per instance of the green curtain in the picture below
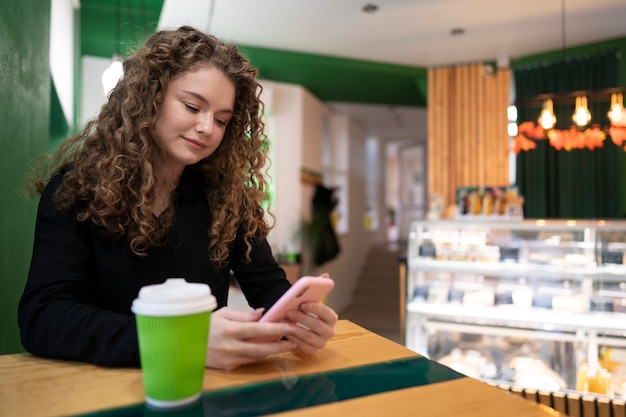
(580, 183)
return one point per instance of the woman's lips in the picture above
(196, 143)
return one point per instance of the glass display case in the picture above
(538, 304)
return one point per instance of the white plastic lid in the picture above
(174, 297)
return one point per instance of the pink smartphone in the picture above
(305, 289)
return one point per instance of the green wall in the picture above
(25, 121)
(618, 45)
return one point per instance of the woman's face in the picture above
(193, 116)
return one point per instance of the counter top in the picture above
(357, 373)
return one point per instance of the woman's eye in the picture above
(221, 122)
(191, 108)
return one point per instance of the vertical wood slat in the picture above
(574, 405)
(438, 136)
(502, 149)
(559, 402)
(481, 119)
(475, 138)
(603, 407)
(618, 407)
(432, 131)
(589, 406)
(505, 150)
(458, 141)
(490, 114)
(438, 131)
(545, 398)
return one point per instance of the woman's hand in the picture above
(315, 324)
(229, 345)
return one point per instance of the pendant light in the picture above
(581, 134)
(582, 115)
(115, 71)
(547, 119)
(616, 111)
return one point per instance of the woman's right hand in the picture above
(229, 338)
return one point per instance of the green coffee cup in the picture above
(173, 322)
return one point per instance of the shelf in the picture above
(515, 317)
(503, 269)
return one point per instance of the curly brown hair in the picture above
(112, 177)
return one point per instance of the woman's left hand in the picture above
(315, 325)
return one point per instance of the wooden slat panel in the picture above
(467, 140)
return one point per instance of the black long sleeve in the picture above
(80, 287)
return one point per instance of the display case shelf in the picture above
(509, 269)
(539, 319)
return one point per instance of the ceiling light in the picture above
(370, 8)
(457, 31)
(115, 71)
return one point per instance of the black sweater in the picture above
(76, 304)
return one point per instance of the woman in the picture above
(167, 181)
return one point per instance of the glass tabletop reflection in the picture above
(297, 392)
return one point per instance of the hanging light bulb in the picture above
(112, 75)
(616, 112)
(547, 119)
(581, 115)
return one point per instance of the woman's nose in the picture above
(204, 124)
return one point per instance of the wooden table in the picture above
(31, 386)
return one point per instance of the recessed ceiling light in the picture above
(370, 8)
(457, 31)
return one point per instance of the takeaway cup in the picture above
(173, 321)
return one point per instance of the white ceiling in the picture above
(406, 32)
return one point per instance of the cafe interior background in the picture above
(396, 104)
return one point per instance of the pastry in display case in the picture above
(540, 297)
